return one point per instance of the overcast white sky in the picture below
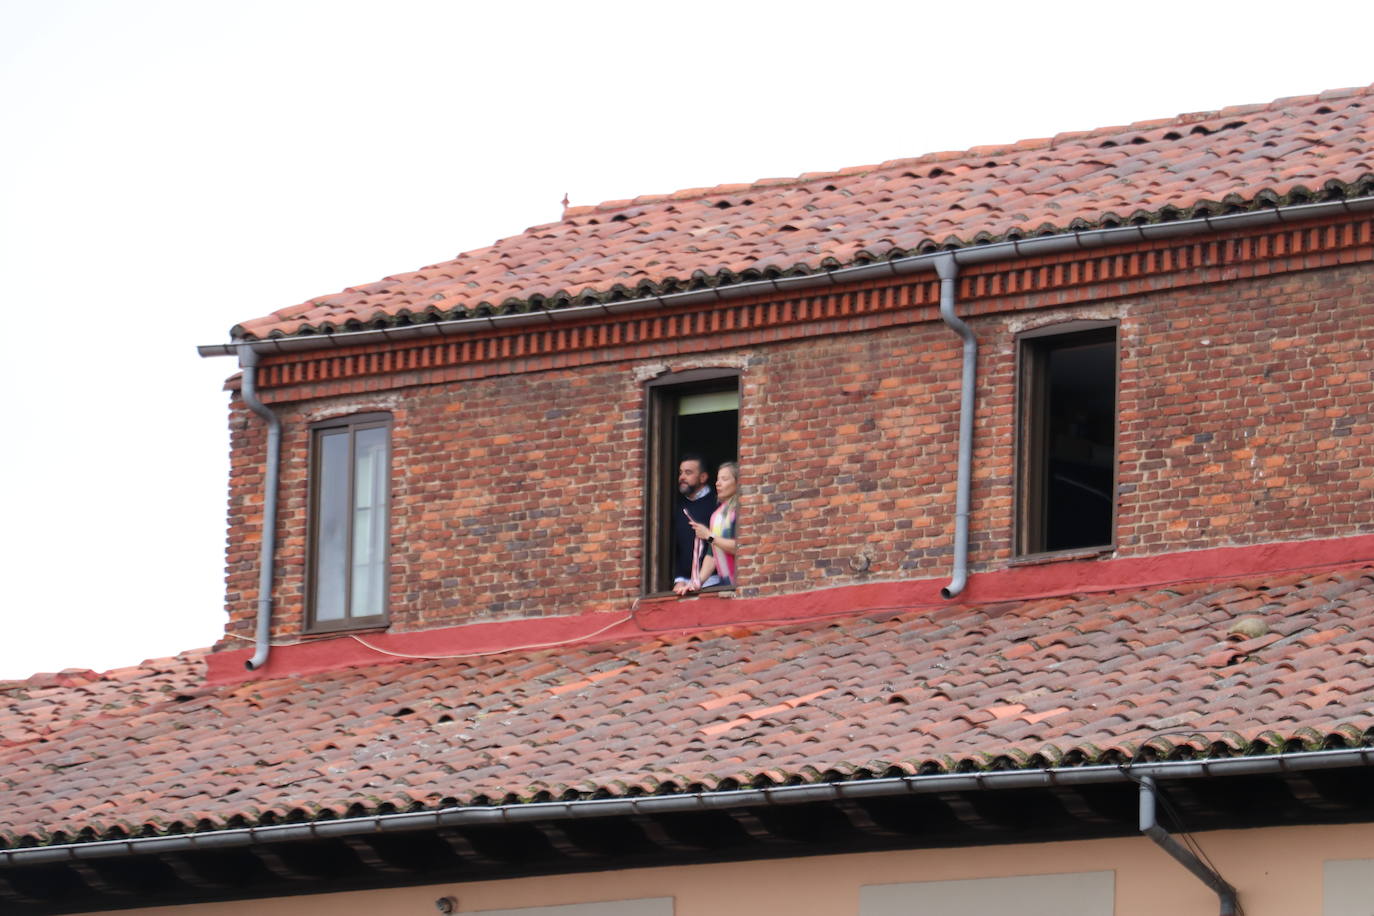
(170, 168)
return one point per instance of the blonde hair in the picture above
(734, 470)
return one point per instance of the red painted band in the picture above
(655, 617)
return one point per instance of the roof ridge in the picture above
(1185, 118)
(1293, 150)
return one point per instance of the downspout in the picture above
(1149, 825)
(948, 269)
(248, 361)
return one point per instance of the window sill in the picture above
(1063, 556)
(371, 624)
(719, 591)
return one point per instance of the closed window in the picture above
(653, 906)
(350, 482)
(1347, 886)
(1067, 449)
(1075, 894)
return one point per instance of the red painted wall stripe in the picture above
(652, 619)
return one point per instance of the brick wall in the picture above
(1244, 418)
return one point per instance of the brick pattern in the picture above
(1249, 413)
(522, 495)
(1293, 150)
(508, 500)
(1159, 672)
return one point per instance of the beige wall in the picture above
(1348, 887)
(1279, 872)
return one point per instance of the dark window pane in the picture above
(1068, 441)
(1081, 444)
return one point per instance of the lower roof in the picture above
(884, 729)
(1282, 661)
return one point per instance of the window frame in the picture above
(660, 464)
(1032, 348)
(353, 423)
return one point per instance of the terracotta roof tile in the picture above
(152, 748)
(1247, 155)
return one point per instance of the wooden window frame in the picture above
(353, 423)
(660, 464)
(1032, 346)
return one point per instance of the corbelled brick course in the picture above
(1294, 149)
(1017, 283)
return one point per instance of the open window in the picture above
(350, 480)
(688, 412)
(1067, 448)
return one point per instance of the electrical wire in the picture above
(490, 652)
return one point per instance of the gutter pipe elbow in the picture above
(1227, 896)
(948, 269)
(248, 362)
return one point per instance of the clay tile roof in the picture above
(1051, 681)
(1293, 149)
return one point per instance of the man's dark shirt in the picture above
(683, 536)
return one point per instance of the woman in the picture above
(718, 566)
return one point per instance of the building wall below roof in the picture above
(1242, 420)
(1277, 871)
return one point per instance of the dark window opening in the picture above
(1068, 441)
(350, 481)
(689, 412)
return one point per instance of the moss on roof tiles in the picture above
(259, 753)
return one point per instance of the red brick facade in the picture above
(518, 463)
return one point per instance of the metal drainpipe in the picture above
(948, 269)
(248, 361)
(1149, 825)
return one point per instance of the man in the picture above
(695, 503)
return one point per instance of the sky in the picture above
(168, 169)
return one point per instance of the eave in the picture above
(511, 841)
(537, 312)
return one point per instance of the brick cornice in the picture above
(1006, 286)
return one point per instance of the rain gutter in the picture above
(545, 812)
(1011, 249)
